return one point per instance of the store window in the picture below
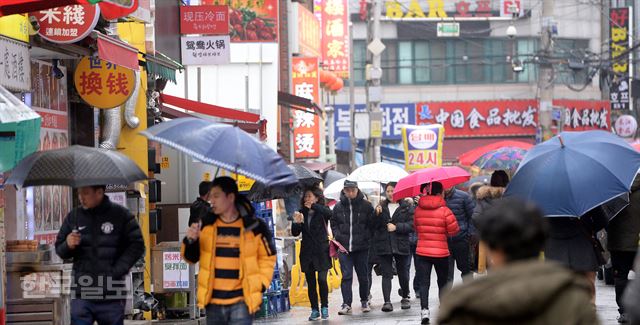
(405, 62)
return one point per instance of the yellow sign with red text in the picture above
(422, 146)
(103, 84)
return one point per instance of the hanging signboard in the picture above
(103, 84)
(306, 125)
(205, 50)
(619, 44)
(251, 20)
(422, 146)
(205, 20)
(15, 69)
(309, 42)
(335, 37)
(67, 24)
(436, 10)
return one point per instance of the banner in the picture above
(306, 125)
(308, 33)
(619, 44)
(335, 36)
(422, 146)
(394, 116)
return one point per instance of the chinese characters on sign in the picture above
(306, 125)
(205, 50)
(394, 116)
(67, 24)
(175, 271)
(308, 33)
(422, 146)
(208, 20)
(103, 84)
(15, 69)
(626, 126)
(335, 36)
(619, 43)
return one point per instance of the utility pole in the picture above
(545, 72)
(373, 91)
(352, 105)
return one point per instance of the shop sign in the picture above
(394, 116)
(438, 9)
(205, 50)
(306, 125)
(583, 115)
(509, 8)
(422, 146)
(626, 126)
(308, 33)
(335, 36)
(15, 69)
(103, 84)
(16, 27)
(251, 20)
(67, 24)
(114, 9)
(175, 271)
(619, 44)
(206, 20)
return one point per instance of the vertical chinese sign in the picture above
(48, 205)
(308, 33)
(335, 37)
(619, 44)
(306, 125)
(422, 146)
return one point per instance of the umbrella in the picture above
(331, 176)
(484, 179)
(333, 191)
(469, 157)
(225, 146)
(506, 158)
(378, 172)
(260, 192)
(76, 166)
(575, 172)
(305, 176)
(449, 176)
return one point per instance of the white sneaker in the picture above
(424, 315)
(346, 310)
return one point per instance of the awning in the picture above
(208, 109)
(117, 52)
(10, 7)
(161, 66)
(297, 102)
(253, 128)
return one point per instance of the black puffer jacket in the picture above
(111, 243)
(462, 206)
(624, 229)
(397, 242)
(354, 234)
(314, 250)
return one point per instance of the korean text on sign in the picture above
(422, 146)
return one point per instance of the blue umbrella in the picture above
(225, 146)
(575, 172)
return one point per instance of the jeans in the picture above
(313, 292)
(105, 312)
(236, 314)
(425, 264)
(622, 263)
(460, 254)
(386, 264)
(358, 261)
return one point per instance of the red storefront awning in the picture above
(253, 128)
(11, 7)
(208, 109)
(117, 52)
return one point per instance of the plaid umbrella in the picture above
(507, 158)
(76, 166)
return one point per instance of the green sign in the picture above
(448, 29)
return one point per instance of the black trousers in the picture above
(622, 263)
(313, 292)
(424, 263)
(386, 265)
(416, 276)
(460, 254)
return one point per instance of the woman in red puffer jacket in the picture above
(433, 223)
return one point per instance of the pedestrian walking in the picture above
(572, 242)
(623, 234)
(522, 288)
(486, 197)
(434, 224)
(392, 224)
(311, 221)
(201, 205)
(632, 296)
(104, 241)
(236, 254)
(351, 227)
(462, 206)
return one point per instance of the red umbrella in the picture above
(449, 177)
(636, 146)
(471, 156)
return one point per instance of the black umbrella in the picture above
(332, 176)
(76, 166)
(260, 193)
(305, 176)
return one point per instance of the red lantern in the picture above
(324, 76)
(337, 85)
(333, 78)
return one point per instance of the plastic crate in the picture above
(285, 304)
